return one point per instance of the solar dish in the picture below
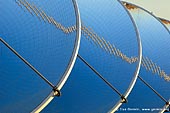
(166, 107)
(108, 61)
(151, 91)
(39, 42)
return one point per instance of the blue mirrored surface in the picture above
(155, 64)
(109, 44)
(44, 34)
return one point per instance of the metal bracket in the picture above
(56, 92)
(124, 100)
(168, 109)
(168, 103)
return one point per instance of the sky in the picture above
(160, 8)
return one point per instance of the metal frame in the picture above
(121, 101)
(70, 66)
(159, 20)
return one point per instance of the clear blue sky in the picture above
(160, 8)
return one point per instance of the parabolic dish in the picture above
(167, 24)
(38, 47)
(151, 92)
